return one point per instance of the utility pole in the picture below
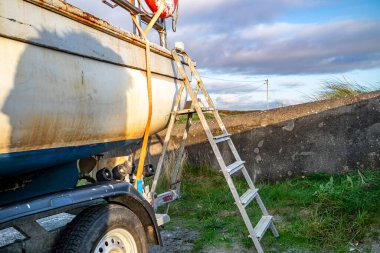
(267, 82)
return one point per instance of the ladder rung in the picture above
(185, 111)
(248, 196)
(192, 110)
(236, 166)
(221, 138)
(262, 226)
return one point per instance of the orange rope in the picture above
(140, 166)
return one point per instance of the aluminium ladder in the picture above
(255, 233)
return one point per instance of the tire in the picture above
(100, 228)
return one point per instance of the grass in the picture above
(317, 212)
(339, 88)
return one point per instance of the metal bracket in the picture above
(164, 198)
(109, 4)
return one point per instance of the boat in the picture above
(72, 86)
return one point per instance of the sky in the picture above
(296, 45)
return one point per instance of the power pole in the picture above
(267, 82)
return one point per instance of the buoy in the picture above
(170, 6)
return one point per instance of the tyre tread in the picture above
(70, 240)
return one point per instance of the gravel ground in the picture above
(177, 240)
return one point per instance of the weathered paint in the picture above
(65, 83)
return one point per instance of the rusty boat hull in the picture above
(73, 86)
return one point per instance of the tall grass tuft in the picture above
(339, 88)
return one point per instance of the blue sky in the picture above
(295, 44)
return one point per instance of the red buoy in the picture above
(170, 6)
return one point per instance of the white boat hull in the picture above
(68, 80)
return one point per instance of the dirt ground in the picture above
(178, 240)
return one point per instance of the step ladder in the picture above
(195, 106)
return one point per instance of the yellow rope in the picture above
(149, 87)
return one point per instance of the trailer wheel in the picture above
(103, 229)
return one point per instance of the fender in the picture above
(114, 192)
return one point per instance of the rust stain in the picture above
(60, 128)
(51, 131)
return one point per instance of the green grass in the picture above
(339, 88)
(316, 212)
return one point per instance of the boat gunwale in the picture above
(74, 13)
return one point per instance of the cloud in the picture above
(249, 102)
(291, 85)
(235, 88)
(243, 37)
(227, 15)
(286, 48)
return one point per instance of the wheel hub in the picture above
(116, 241)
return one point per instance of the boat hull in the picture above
(73, 87)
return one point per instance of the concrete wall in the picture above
(326, 136)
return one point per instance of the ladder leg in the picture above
(177, 167)
(211, 104)
(218, 119)
(193, 96)
(199, 80)
(162, 156)
(167, 139)
(265, 212)
(274, 230)
(246, 218)
(203, 119)
(248, 178)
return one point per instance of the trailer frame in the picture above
(22, 216)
